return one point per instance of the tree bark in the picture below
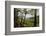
(35, 18)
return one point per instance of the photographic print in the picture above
(26, 17)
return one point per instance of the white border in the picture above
(26, 28)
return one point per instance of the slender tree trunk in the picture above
(35, 18)
(21, 24)
(24, 18)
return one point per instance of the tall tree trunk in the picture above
(15, 17)
(35, 18)
(21, 23)
(24, 18)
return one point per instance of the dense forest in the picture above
(25, 17)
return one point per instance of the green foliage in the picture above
(26, 22)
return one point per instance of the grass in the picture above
(28, 22)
